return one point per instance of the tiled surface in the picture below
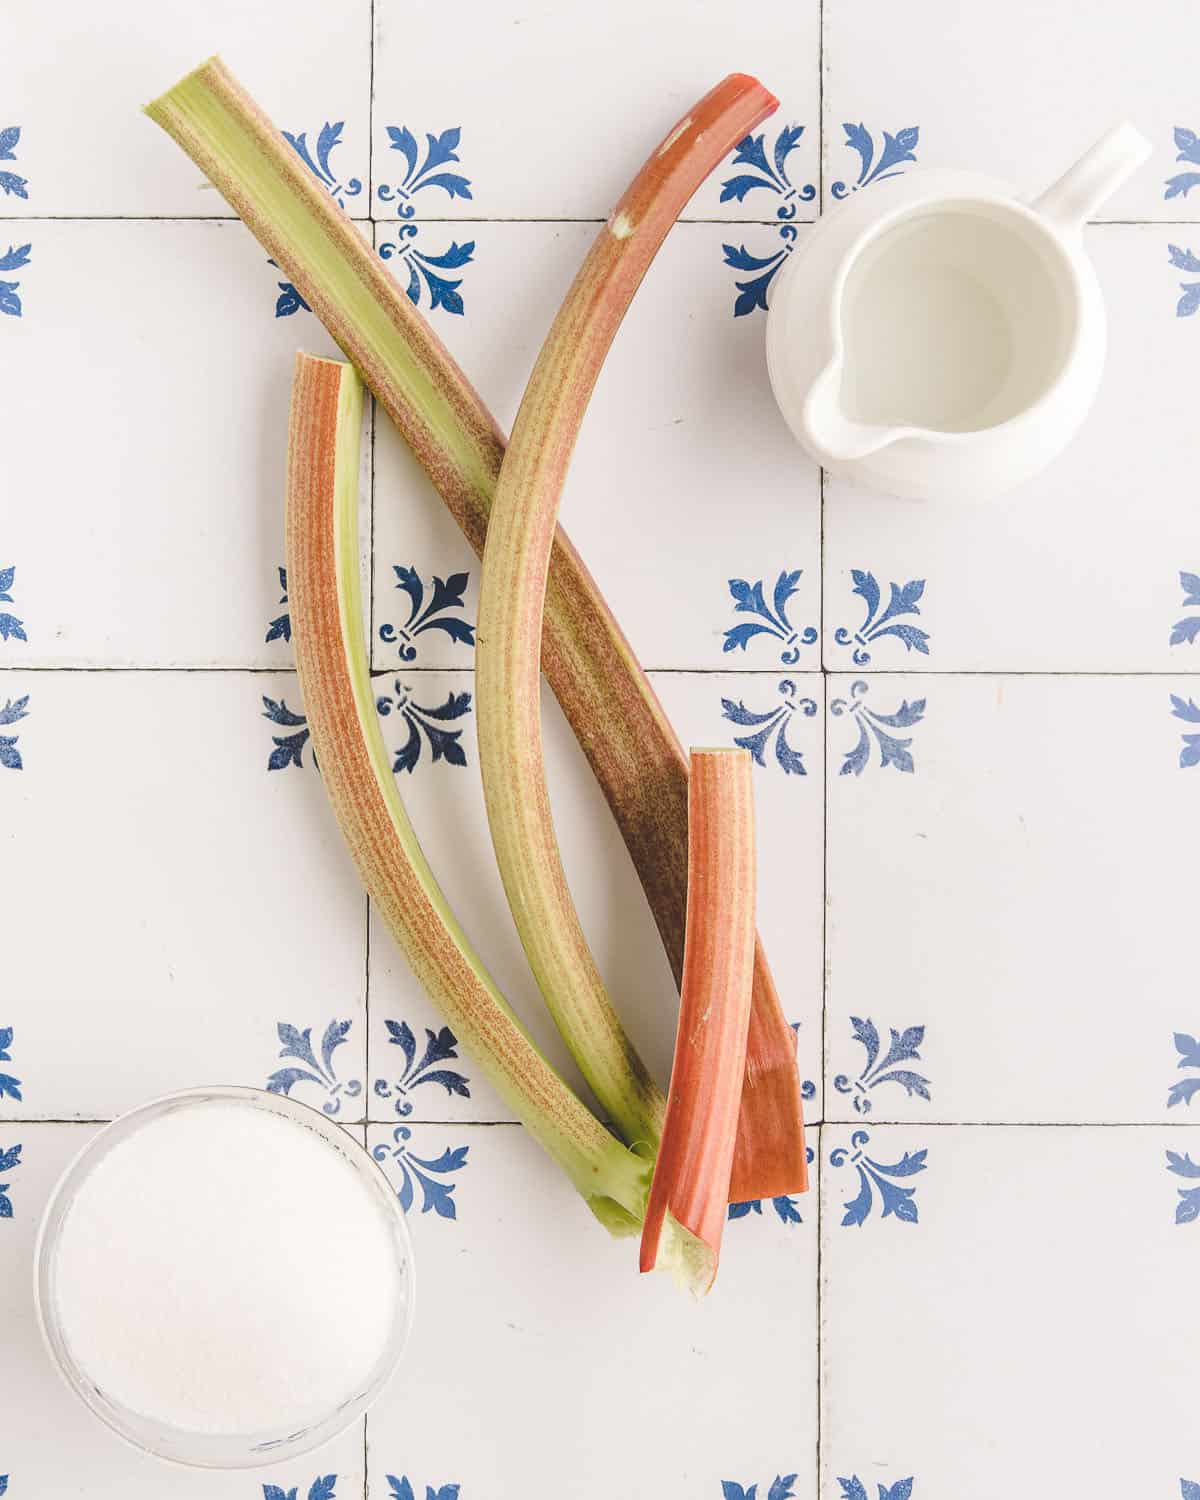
(974, 815)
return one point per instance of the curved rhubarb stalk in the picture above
(512, 592)
(686, 1211)
(604, 694)
(323, 581)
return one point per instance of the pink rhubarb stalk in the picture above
(686, 1211)
(512, 592)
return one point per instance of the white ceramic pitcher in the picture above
(938, 338)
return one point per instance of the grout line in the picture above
(812, 670)
(15, 1122)
(820, 1291)
(146, 218)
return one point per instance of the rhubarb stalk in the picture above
(686, 1211)
(605, 696)
(512, 592)
(331, 657)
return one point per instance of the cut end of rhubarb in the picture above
(690, 1263)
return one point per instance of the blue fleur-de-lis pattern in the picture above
(782, 1487)
(770, 621)
(1186, 1089)
(289, 748)
(769, 727)
(280, 628)
(854, 1489)
(442, 615)
(10, 1087)
(401, 1489)
(879, 1183)
(1187, 627)
(883, 623)
(881, 1069)
(426, 1175)
(1188, 143)
(875, 731)
(1189, 1489)
(11, 184)
(427, 278)
(1188, 710)
(11, 628)
(13, 711)
(770, 178)
(1186, 260)
(13, 259)
(322, 1488)
(424, 172)
(10, 1160)
(426, 176)
(426, 726)
(877, 161)
(1187, 1210)
(441, 1046)
(316, 1076)
(318, 159)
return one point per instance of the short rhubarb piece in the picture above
(326, 607)
(686, 1212)
(605, 696)
(512, 594)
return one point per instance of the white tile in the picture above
(585, 1380)
(150, 363)
(177, 901)
(686, 489)
(1078, 569)
(1007, 892)
(445, 801)
(78, 77)
(52, 1446)
(1019, 92)
(559, 106)
(1023, 1319)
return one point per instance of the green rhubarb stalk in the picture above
(331, 657)
(512, 591)
(685, 1215)
(604, 694)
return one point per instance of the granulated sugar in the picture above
(225, 1270)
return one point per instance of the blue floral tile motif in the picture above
(876, 1071)
(1187, 1210)
(1186, 1089)
(1189, 711)
(1188, 1487)
(322, 1488)
(854, 1489)
(772, 619)
(875, 1177)
(10, 184)
(321, 1074)
(401, 1489)
(13, 712)
(10, 1087)
(3, 1484)
(10, 1160)
(1188, 143)
(786, 1209)
(422, 174)
(1185, 260)
(289, 748)
(280, 628)
(318, 163)
(427, 268)
(782, 1488)
(424, 726)
(419, 1172)
(771, 724)
(13, 259)
(440, 614)
(874, 727)
(10, 627)
(770, 177)
(440, 1046)
(877, 164)
(1185, 630)
(882, 623)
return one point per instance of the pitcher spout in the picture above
(830, 433)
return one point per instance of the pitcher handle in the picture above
(1098, 173)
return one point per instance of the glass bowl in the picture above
(210, 1449)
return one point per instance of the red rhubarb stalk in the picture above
(686, 1211)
